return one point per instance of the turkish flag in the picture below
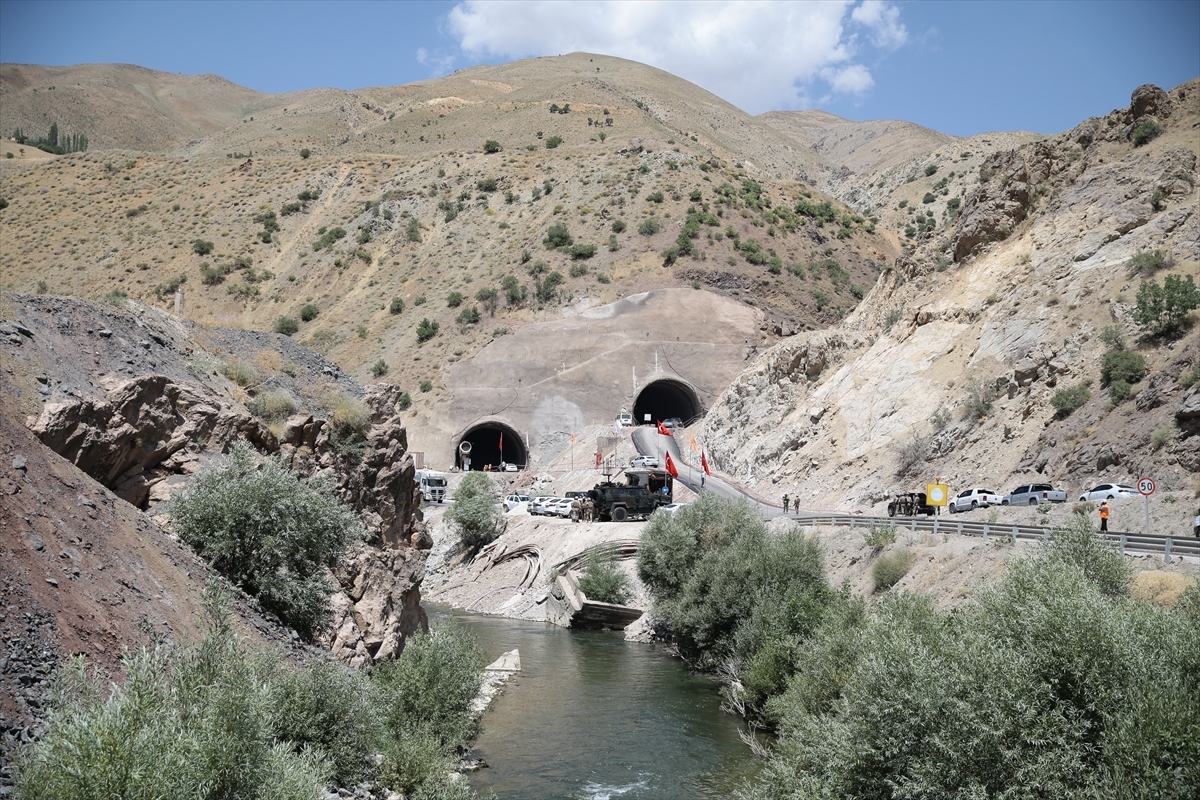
(501, 441)
(704, 463)
(599, 456)
(663, 429)
(671, 470)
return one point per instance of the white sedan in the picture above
(1109, 491)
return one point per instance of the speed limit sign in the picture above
(1146, 486)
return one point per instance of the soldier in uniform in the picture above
(786, 502)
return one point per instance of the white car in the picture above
(515, 500)
(625, 420)
(644, 461)
(671, 508)
(541, 505)
(973, 498)
(1109, 491)
(561, 507)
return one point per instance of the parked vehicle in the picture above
(561, 507)
(672, 423)
(1108, 491)
(625, 420)
(432, 485)
(644, 492)
(541, 505)
(514, 500)
(972, 498)
(1032, 494)
(671, 508)
(910, 504)
(644, 461)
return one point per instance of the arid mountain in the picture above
(120, 106)
(953, 365)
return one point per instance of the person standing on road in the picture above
(1104, 516)
(786, 501)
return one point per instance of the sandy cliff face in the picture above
(1042, 248)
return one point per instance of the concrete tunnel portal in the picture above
(491, 443)
(666, 398)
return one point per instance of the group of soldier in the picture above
(583, 508)
(786, 501)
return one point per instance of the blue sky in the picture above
(961, 68)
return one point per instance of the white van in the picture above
(625, 420)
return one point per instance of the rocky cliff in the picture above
(949, 366)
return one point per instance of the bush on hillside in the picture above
(558, 236)
(286, 325)
(1066, 400)
(649, 226)
(1162, 309)
(268, 531)
(427, 329)
(309, 312)
(201, 247)
(396, 306)
(273, 405)
(491, 146)
(888, 569)
(1145, 132)
(1122, 365)
(475, 515)
(604, 581)
(1148, 263)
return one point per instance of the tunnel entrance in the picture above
(492, 444)
(666, 398)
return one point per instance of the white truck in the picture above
(432, 485)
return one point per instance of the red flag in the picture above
(501, 441)
(671, 470)
(599, 456)
(663, 429)
(704, 463)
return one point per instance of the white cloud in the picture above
(882, 19)
(757, 55)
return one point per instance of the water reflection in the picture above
(593, 716)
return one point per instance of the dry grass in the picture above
(268, 361)
(1161, 588)
(348, 415)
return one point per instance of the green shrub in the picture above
(404, 401)
(618, 226)
(582, 251)
(1119, 391)
(911, 455)
(491, 146)
(1067, 400)
(269, 532)
(349, 416)
(553, 142)
(379, 368)
(286, 325)
(1149, 263)
(578, 270)
(469, 316)
(928, 198)
(201, 248)
(1160, 438)
(427, 329)
(454, 299)
(1122, 365)
(1191, 377)
(273, 405)
(240, 373)
(488, 185)
(305, 152)
(893, 316)
(1146, 131)
(930, 170)
(557, 236)
(979, 400)
(426, 386)
(475, 515)
(309, 312)
(412, 231)
(1112, 337)
(396, 306)
(328, 237)
(880, 536)
(603, 580)
(547, 288)
(1162, 309)
(649, 226)
(888, 569)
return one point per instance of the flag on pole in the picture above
(704, 463)
(671, 470)
(663, 430)
(502, 442)
(599, 456)
(572, 435)
(695, 448)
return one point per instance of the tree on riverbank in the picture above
(221, 719)
(1052, 683)
(474, 513)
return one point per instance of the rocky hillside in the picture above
(357, 215)
(952, 364)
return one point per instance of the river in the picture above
(593, 717)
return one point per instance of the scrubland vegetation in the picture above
(1054, 682)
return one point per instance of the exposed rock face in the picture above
(379, 605)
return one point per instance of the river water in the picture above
(593, 717)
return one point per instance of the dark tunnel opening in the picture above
(492, 444)
(664, 399)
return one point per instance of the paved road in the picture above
(649, 441)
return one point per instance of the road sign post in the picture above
(1146, 487)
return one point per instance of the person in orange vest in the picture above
(1104, 516)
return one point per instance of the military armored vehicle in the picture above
(642, 493)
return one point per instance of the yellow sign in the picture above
(937, 494)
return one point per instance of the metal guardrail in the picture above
(1169, 546)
